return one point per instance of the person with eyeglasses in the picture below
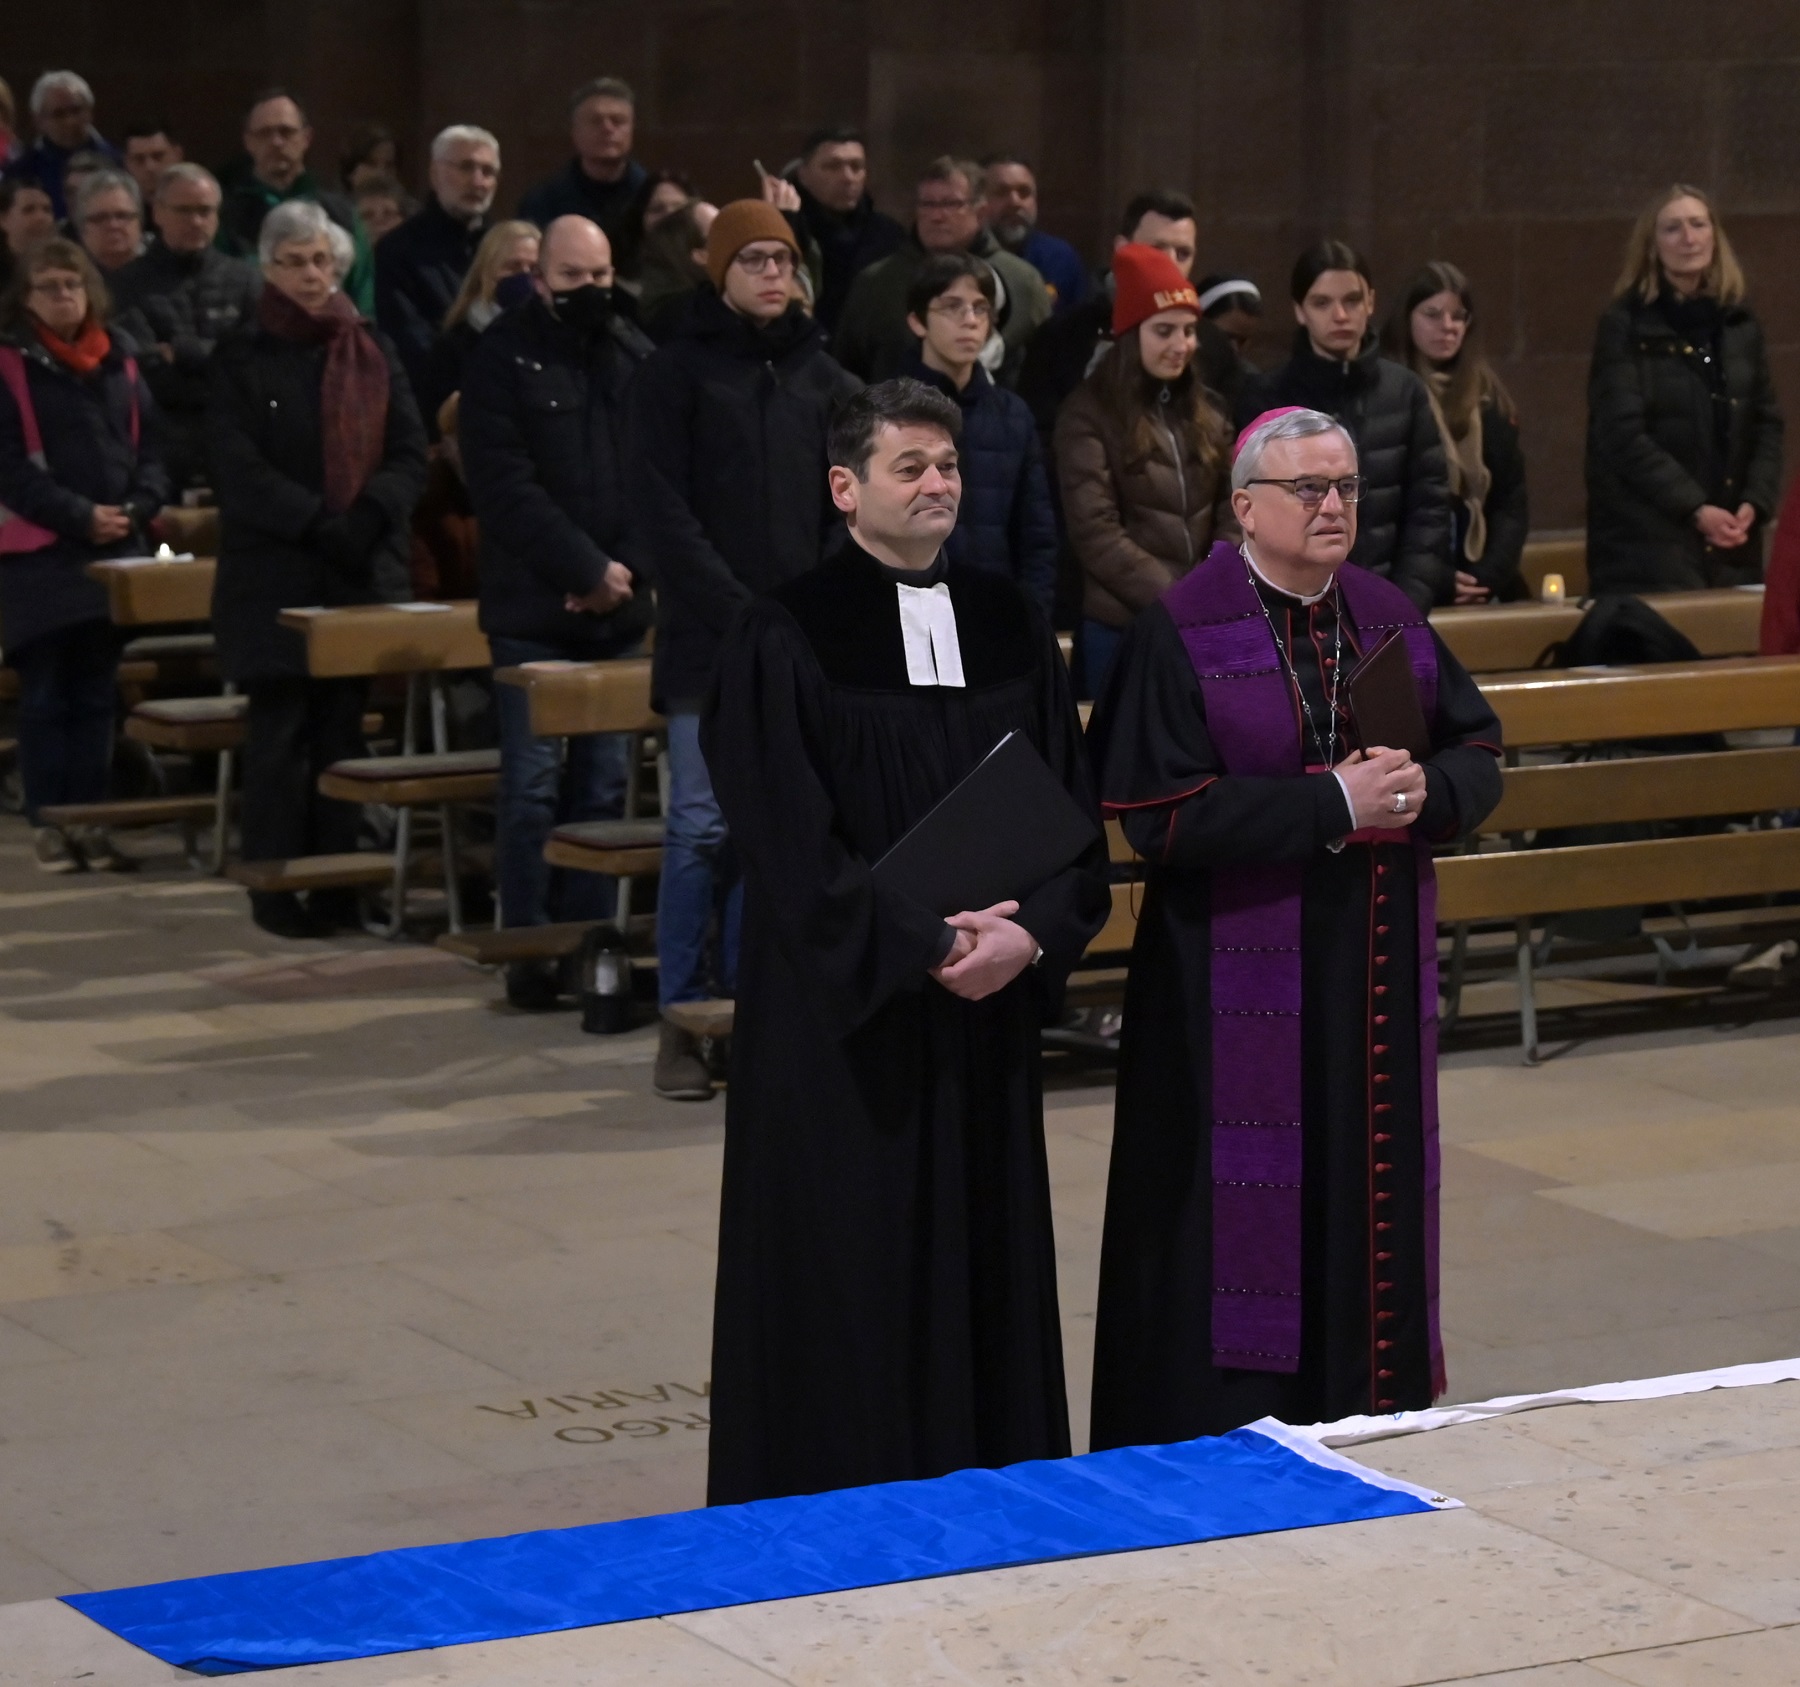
(109, 219)
(318, 457)
(1404, 523)
(1007, 524)
(177, 301)
(278, 138)
(872, 339)
(1271, 1207)
(1141, 456)
(62, 112)
(727, 424)
(80, 480)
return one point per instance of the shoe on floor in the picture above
(95, 846)
(531, 986)
(336, 909)
(681, 1072)
(281, 914)
(55, 854)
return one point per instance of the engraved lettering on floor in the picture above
(548, 1408)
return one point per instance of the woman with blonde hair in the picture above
(498, 278)
(1684, 430)
(1435, 334)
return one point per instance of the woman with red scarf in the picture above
(79, 480)
(318, 458)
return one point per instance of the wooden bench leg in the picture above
(221, 838)
(402, 863)
(1453, 989)
(452, 866)
(1528, 1026)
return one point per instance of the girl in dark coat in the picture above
(1434, 334)
(318, 456)
(81, 480)
(1684, 431)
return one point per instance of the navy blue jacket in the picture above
(540, 426)
(728, 430)
(86, 428)
(573, 192)
(419, 268)
(1059, 264)
(1006, 524)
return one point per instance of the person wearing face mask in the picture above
(1684, 427)
(728, 428)
(1403, 526)
(540, 428)
(498, 279)
(1140, 454)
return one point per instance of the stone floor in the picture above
(309, 1249)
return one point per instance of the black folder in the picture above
(1004, 830)
(1384, 701)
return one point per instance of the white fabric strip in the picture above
(1348, 1432)
(1303, 1442)
(928, 628)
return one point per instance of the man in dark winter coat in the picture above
(832, 177)
(419, 268)
(176, 301)
(871, 337)
(1403, 528)
(540, 427)
(1682, 415)
(1006, 523)
(278, 138)
(729, 422)
(602, 181)
(62, 109)
(1066, 348)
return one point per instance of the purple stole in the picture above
(1256, 1042)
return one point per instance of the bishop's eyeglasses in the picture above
(1311, 489)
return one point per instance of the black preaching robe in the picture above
(1154, 1376)
(886, 1302)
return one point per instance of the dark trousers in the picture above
(297, 729)
(542, 788)
(68, 694)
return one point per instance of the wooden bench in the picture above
(1508, 636)
(1507, 882)
(140, 592)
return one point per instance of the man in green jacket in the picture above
(277, 138)
(872, 339)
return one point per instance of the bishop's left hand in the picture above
(1002, 951)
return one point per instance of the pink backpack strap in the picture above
(12, 373)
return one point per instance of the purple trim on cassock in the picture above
(1256, 966)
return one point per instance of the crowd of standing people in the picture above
(609, 414)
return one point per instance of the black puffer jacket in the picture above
(186, 301)
(278, 548)
(85, 424)
(1403, 522)
(541, 427)
(1660, 444)
(728, 426)
(848, 242)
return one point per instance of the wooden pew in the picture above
(1508, 636)
(423, 642)
(1505, 882)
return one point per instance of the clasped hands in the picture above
(1723, 529)
(990, 951)
(1373, 780)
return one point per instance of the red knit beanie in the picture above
(1146, 281)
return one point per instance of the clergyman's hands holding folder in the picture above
(989, 953)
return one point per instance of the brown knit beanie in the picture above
(736, 226)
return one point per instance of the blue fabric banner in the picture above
(1131, 1498)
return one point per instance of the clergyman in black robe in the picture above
(886, 1304)
(1270, 1244)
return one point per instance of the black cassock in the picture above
(886, 1302)
(1154, 1376)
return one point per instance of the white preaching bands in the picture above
(928, 627)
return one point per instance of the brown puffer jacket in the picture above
(1136, 527)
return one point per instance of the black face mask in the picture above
(586, 309)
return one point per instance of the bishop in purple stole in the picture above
(1271, 1240)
